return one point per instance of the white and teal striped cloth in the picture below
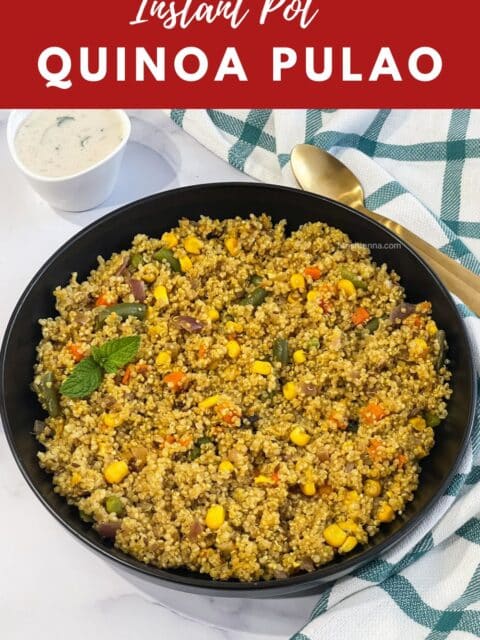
(421, 168)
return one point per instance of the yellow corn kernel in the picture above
(193, 245)
(160, 294)
(347, 287)
(163, 359)
(351, 496)
(261, 479)
(185, 263)
(418, 423)
(299, 356)
(299, 437)
(213, 314)
(103, 449)
(233, 349)
(431, 327)
(350, 526)
(116, 471)
(313, 295)
(170, 240)
(76, 478)
(290, 390)
(293, 297)
(209, 402)
(262, 367)
(417, 348)
(308, 489)
(215, 517)
(372, 488)
(226, 466)
(334, 535)
(159, 329)
(232, 246)
(349, 545)
(233, 327)
(149, 277)
(385, 513)
(297, 281)
(112, 420)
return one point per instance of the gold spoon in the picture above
(318, 171)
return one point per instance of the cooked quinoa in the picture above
(276, 411)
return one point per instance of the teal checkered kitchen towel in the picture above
(421, 168)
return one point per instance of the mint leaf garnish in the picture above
(116, 353)
(111, 356)
(84, 379)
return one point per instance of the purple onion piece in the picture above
(108, 529)
(309, 389)
(280, 575)
(307, 565)
(38, 427)
(123, 266)
(138, 289)
(187, 323)
(195, 529)
(402, 311)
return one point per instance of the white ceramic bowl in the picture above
(80, 191)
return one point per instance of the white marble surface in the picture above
(50, 585)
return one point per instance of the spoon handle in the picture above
(459, 280)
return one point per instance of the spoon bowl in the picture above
(313, 166)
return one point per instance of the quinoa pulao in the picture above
(238, 401)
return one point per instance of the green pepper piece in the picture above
(256, 298)
(432, 419)
(167, 255)
(352, 426)
(255, 280)
(194, 453)
(280, 351)
(372, 325)
(47, 394)
(113, 504)
(124, 310)
(136, 260)
(85, 516)
(357, 283)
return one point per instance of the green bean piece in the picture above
(203, 440)
(167, 255)
(136, 260)
(113, 504)
(313, 343)
(124, 310)
(432, 419)
(47, 394)
(442, 349)
(372, 325)
(256, 298)
(280, 351)
(255, 280)
(357, 283)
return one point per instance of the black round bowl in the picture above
(152, 216)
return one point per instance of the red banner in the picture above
(243, 53)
